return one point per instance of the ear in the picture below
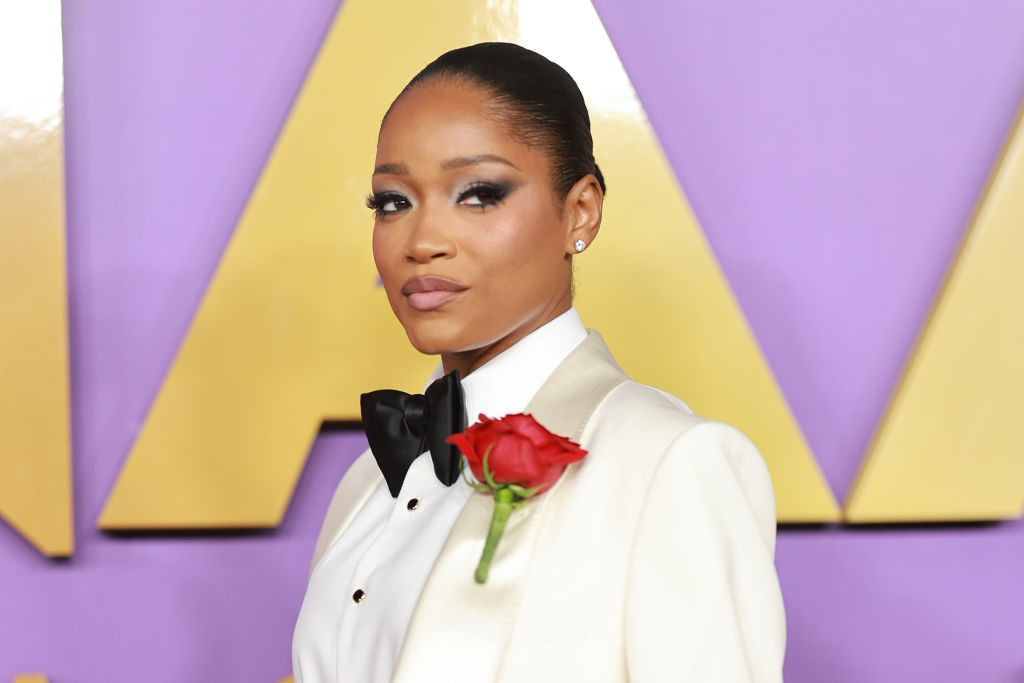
(582, 209)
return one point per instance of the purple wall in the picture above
(833, 153)
(833, 156)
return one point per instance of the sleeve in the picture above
(702, 598)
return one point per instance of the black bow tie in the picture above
(401, 426)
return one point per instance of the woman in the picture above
(649, 560)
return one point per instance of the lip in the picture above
(428, 292)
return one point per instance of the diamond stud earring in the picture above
(580, 245)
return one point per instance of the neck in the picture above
(468, 361)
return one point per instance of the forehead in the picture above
(442, 120)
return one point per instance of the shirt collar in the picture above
(506, 383)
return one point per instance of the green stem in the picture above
(503, 498)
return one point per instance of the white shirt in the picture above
(388, 550)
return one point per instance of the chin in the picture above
(434, 337)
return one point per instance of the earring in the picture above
(580, 245)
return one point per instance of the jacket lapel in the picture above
(460, 629)
(359, 483)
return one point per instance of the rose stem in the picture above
(503, 498)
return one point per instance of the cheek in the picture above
(383, 251)
(384, 258)
(525, 246)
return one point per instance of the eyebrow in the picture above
(391, 169)
(457, 162)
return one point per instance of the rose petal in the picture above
(566, 456)
(530, 428)
(463, 443)
(515, 461)
(547, 479)
(478, 471)
(519, 450)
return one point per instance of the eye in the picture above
(483, 194)
(387, 203)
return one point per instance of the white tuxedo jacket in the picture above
(649, 560)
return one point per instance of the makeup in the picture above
(429, 292)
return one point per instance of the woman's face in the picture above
(469, 239)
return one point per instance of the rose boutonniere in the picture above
(513, 459)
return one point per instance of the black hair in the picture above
(536, 98)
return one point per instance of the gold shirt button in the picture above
(359, 595)
(413, 503)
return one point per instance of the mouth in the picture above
(428, 292)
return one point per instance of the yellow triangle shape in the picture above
(292, 328)
(35, 420)
(950, 447)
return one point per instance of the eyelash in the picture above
(489, 194)
(376, 202)
(497, 192)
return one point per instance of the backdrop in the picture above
(833, 156)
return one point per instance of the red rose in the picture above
(519, 451)
(522, 460)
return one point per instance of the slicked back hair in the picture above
(537, 99)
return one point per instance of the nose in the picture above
(429, 236)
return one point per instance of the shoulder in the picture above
(637, 410)
(685, 452)
(703, 546)
(646, 415)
